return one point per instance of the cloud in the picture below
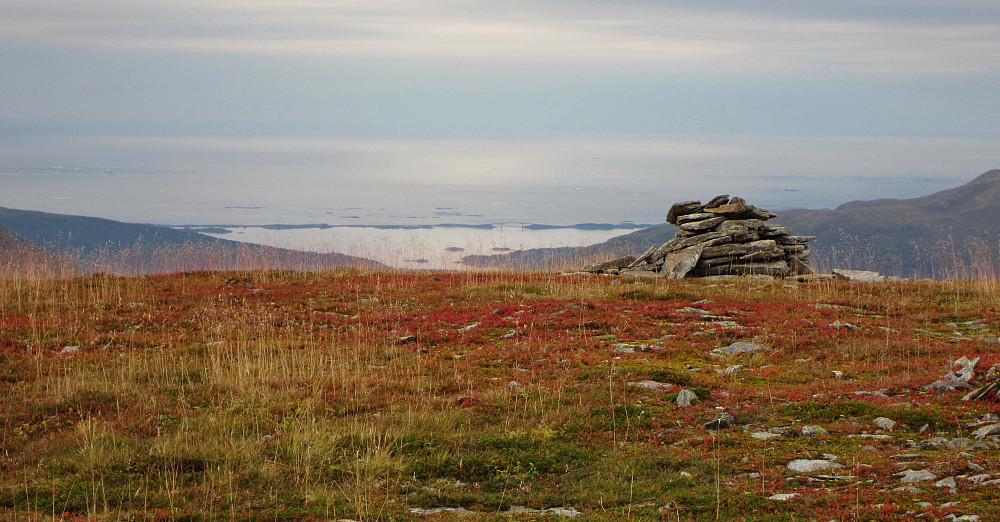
(728, 38)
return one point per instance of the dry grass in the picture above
(350, 394)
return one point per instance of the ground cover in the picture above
(394, 395)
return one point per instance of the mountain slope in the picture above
(951, 233)
(117, 247)
(19, 258)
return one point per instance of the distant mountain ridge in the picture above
(118, 247)
(951, 233)
(19, 258)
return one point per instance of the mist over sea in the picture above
(351, 185)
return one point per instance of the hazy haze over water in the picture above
(295, 111)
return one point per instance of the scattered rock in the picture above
(721, 421)
(619, 263)
(934, 442)
(808, 466)
(814, 431)
(652, 385)
(948, 482)
(857, 276)
(738, 348)
(963, 371)
(885, 423)
(987, 431)
(684, 398)
(910, 475)
(783, 497)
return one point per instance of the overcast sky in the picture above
(483, 94)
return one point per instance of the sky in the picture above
(544, 110)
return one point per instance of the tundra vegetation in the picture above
(367, 395)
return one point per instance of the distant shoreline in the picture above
(226, 228)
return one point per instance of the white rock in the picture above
(784, 497)
(814, 430)
(807, 466)
(948, 482)
(986, 431)
(739, 347)
(885, 423)
(859, 276)
(912, 475)
(684, 398)
(652, 385)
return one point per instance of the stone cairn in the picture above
(722, 237)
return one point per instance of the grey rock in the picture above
(738, 348)
(642, 258)
(960, 443)
(987, 431)
(684, 398)
(721, 421)
(622, 262)
(859, 276)
(677, 264)
(814, 431)
(810, 465)
(964, 370)
(699, 226)
(948, 482)
(911, 475)
(934, 442)
(682, 209)
(697, 216)
(885, 423)
(716, 201)
(945, 386)
(652, 385)
(783, 497)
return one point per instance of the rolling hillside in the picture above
(97, 244)
(19, 258)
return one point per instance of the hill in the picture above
(98, 244)
(952, 233)
(21, 259)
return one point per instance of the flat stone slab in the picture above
(857, 276)
(809, 465)
(738, 348)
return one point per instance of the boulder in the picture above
(677, 264)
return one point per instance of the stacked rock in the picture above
(721, 237)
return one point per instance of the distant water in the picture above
(437, 247)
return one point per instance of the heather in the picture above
(364, 395)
